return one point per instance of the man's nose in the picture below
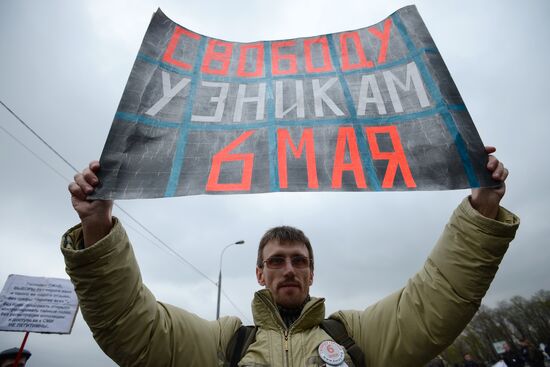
(288, 267)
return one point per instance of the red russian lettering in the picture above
(223, 57)
(384, 37)
(395, 159)
(169, 53)
(362, 62)
(327, 65)
(347, 134)
(244, 49)
(276, 58)
(306, 140)
(225, 155)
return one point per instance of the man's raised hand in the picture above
(95, 215)
(487, 200)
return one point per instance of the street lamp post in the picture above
(220, 275)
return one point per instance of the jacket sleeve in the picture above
(412, 325)
(127, 322)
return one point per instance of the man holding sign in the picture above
(406, 328)
(375, 106)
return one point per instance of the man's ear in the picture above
(260, 276)
(311, 278)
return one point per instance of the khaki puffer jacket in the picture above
(407, 328)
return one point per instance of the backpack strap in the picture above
(338, 332)
(245, 335)
(239, 343)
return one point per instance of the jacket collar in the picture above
(266, 315)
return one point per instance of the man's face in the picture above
(467, 357)
(289, 285)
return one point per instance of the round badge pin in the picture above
(331, 352)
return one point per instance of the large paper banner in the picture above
(365, 110)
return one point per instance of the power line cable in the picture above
(245, 318)
(166, 246)
(35, 155)
(234, 305)
(38, 136)
(175, 253)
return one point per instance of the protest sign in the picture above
(499, 346)
(37, 304)
(374, 109)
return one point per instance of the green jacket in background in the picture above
(407, 328)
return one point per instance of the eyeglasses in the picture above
(297, 261)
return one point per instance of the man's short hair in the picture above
(284, 234)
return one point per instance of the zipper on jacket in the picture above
(285, 330)
(285, 334)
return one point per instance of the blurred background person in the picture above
(469, 361)
(7, 357)
(531, 355)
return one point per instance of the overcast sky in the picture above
(64, 65)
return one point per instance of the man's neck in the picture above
(290, 315)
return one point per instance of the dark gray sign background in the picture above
(180, 109)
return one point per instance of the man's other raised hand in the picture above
(95, 215)
(487, 200)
